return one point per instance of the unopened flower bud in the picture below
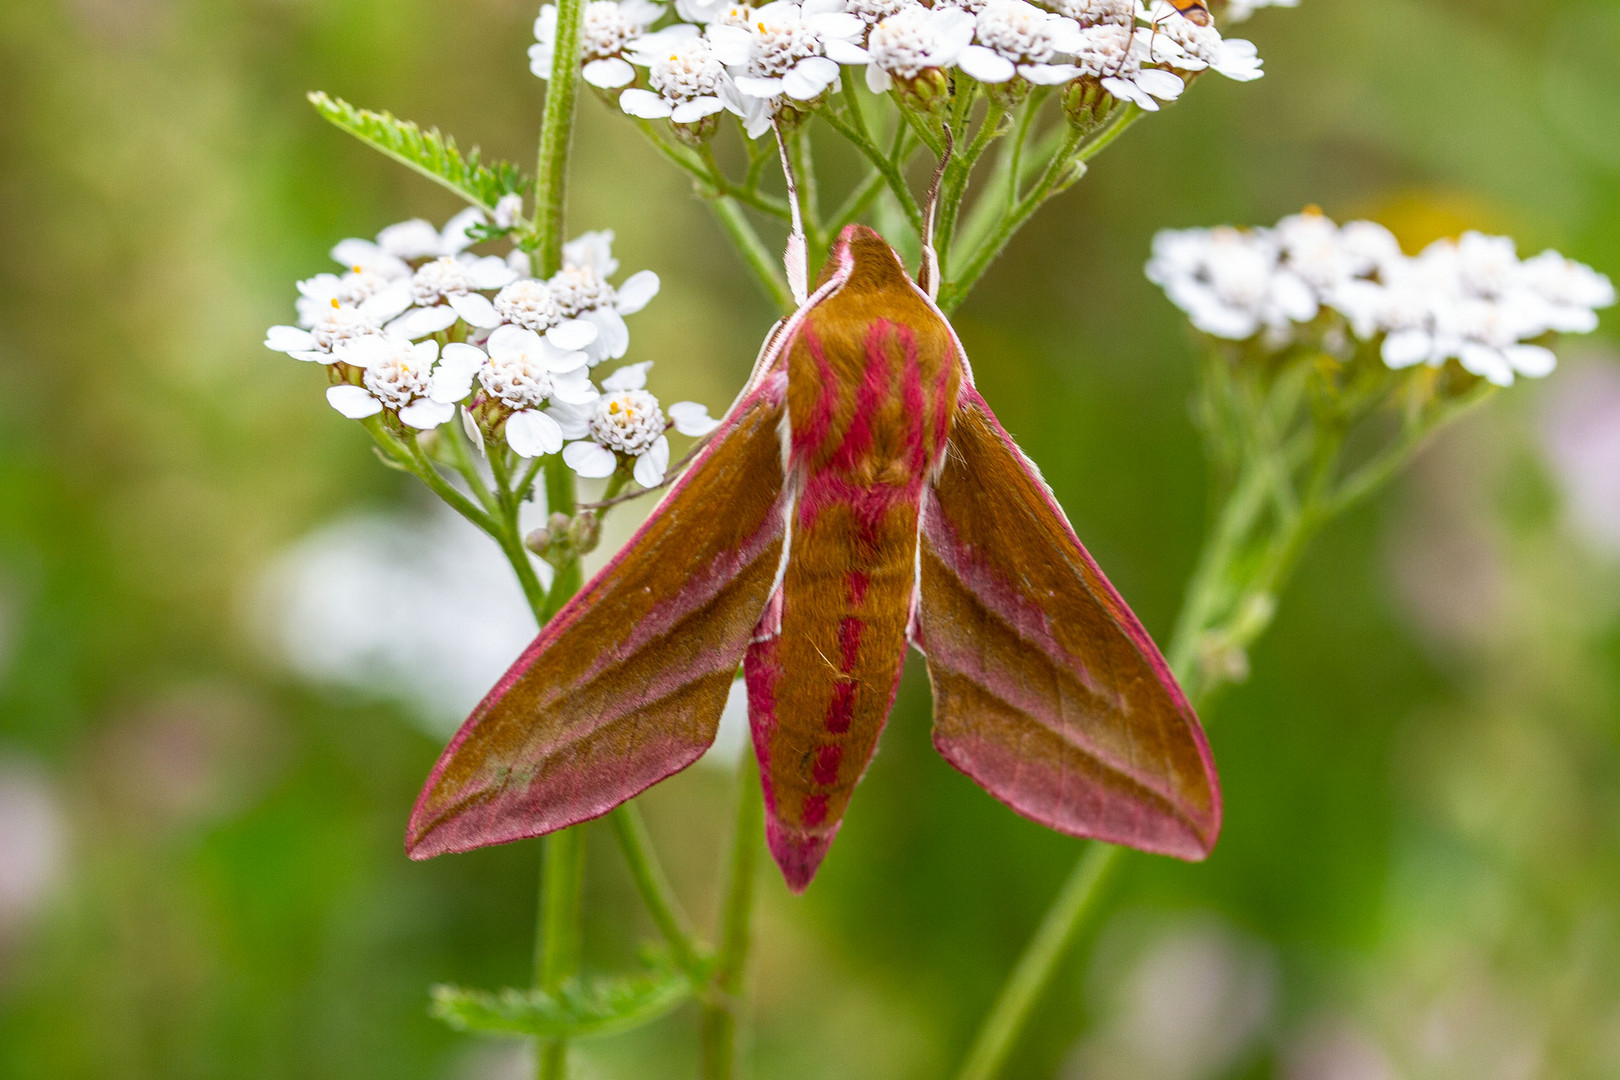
(926, 92)
(585, 531)
(698, 132)
(538, 541)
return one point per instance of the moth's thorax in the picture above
(872, 374)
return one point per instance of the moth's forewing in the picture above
(626, 684)
(872, 378)
(1047, 691)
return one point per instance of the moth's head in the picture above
(865, 261)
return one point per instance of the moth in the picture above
(1194, 11)
(858, 497)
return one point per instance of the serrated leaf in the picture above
(433, 155)
(597, 1007)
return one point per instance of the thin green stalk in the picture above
(722, 1011)
(804, 169)
(956, 186)
(556, 130)
(560, 499)
(462, 459)
(1051, 180)
(765, 267)
(558, 945)
(656, 892)
(890, 169)
(409, 454)
(1029, 980)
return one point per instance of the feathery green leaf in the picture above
(597, 1007)
(433, 155)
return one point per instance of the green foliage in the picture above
(595, 1007)
(433, 155)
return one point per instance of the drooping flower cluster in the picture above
(711, 55)
(1471, 299)
(418, 327)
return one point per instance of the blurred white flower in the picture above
(420, 610)
(609, 30)
(1015, 38)
(1580, 435)
(1186, 1000)
(376, 294)
(397, 375)
(1469, 299)
(409, 241)
(1239, 10)
(1229, 282)
(33, 840)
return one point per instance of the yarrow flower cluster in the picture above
(418, 327)
(1471, 299)
(757, 61)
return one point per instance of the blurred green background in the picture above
(201, 871)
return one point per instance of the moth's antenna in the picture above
(930, 257)
(796, 259)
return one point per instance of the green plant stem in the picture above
(1029, 980)
(765, 267)
(890, 168)
(960, 173)
(556, 130)
(653, 884)
(722, 1010)
(557, 946)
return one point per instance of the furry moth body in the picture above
(858, 496)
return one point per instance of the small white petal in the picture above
(491, 271)
(691, 418)
(1404, 348)
(690, 112)
(475, 308)
(590, 460)
(573, 334)
(1164, 85)
(563, 360)
(612, 336)
(809, 77)
(353, 401)
(1488, 363)
(572, 417)
(732, 45)
(531, 433)
(470, 426)
(453, 378)
(644, 103)
(1533, 361)
(573, 388)
(288, 339)
(835, 25)
(755, 87)
(454, 239)
(420, 322)
(1048, 74)
(388, 302)
(636, 292)
(315, 356)
(629, 377)
(609, 74)
(425, 415)
(846, 52)
(878, 80)
(986, 65)
(651, 466)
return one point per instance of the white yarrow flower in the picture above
(789, 50)
(395, 374)
(1015, 38)
(1116, 57)
(609, 30)
(686, 77)
(320, 340)
(913, 40)
(1229, 282)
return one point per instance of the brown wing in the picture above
(625, 685)
(1047, 691)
